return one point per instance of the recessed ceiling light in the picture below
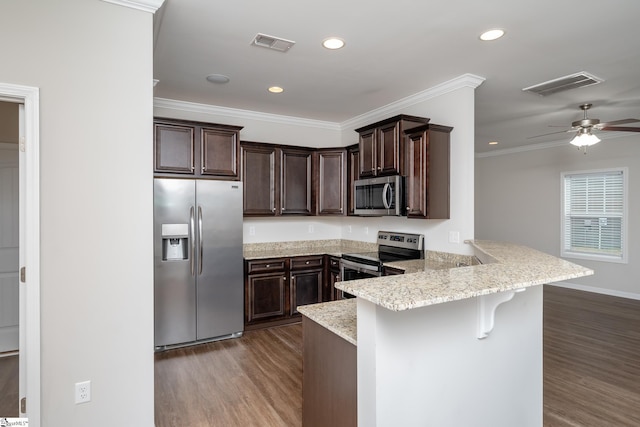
(333, 43)
(276, 89)
(493, 143)
(217, 78)
(494, 34)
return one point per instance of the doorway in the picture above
(27, 100)
(9, 257)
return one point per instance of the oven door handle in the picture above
(360, 268)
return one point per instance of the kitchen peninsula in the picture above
(446, 347)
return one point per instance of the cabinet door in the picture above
(220, 151)
(353, 166)
(331, 185)
(306, 288)
(427, 176)
(416, 178)
(295, 193)
(389, 162)
(260, 179)
(368, 153)
(173, 145)
(266, 296)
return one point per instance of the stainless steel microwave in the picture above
(379, 196)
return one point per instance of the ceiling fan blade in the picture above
(617, 122)
(622, 128)
(552, 133)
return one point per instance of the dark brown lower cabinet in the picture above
(306, 288)
(266, 290)
(329, 378)
(275, 287)
(330, 293)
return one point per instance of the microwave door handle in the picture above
(385, 196)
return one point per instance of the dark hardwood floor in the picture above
(591, 359)
(255, 380)
(9, 386)
(591, 371)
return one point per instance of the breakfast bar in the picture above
(458, 346)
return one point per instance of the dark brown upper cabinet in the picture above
(330, 181)
(277, 179)
(296, 181)
(428, 171)
(353, 173)
(260, 173)
(200, 150)
(381, 145)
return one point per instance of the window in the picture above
(594, 215)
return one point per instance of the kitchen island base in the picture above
(427, 367)
(329, 384)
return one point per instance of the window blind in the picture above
(593, 213)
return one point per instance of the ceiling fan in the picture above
(584, 129)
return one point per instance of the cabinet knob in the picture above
(408, 208)
(307, 262)
(267, 266)
(273, 209)
(284, 278)
(379, 168)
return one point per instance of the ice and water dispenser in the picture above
(175, 242)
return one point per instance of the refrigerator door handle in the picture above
(193, 241)
(200, 236)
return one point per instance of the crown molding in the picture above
(465, 80)
(193, 107)
(144, 5)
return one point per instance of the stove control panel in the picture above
(401, 240)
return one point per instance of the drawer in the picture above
(306, 262)
(266, 265)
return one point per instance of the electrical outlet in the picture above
(252, 230)
(454, 237)
(83, 392)
(310, 228)
(366, 230)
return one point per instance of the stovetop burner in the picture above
(391, 247)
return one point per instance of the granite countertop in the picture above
(335, 247)
(337, 316)
(509, 267)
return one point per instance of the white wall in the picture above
(425, 366)
(518, 200)
(455, 108)
(92, 61)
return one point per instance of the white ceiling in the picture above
(395, 49)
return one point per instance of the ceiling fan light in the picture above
(584, 139)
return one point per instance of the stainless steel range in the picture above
(392, 246)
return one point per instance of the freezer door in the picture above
(220, 289)
(174, 276)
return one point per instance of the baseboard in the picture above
(610, 292)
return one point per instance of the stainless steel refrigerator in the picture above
(198, 282)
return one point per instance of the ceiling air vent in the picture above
(270, 42)
(561, 84)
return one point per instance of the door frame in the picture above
(29, 217)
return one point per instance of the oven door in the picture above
(350, 270)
